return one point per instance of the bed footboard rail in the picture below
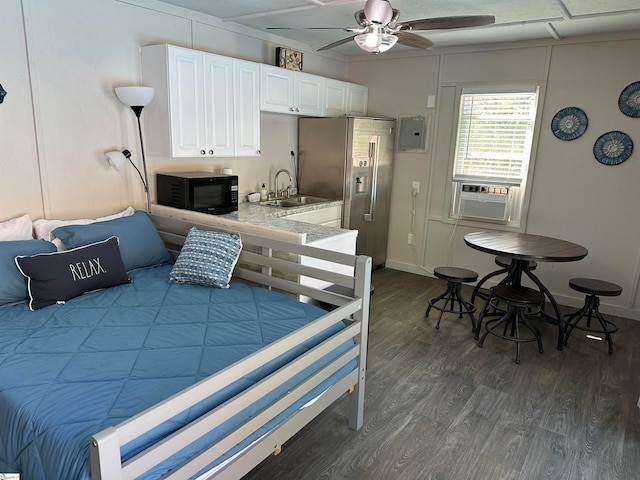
(274, 264)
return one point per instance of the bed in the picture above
(150, 378)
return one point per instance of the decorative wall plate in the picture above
(629, 100)
(613, 148)
(569, 123)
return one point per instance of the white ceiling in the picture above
(515, 19)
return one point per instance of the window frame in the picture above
(518, 196)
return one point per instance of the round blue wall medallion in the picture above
(613, 148)
(569, 123)
(629, 100)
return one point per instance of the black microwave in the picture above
(198, 191)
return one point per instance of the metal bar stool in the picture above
(518, 300)
(505, 263)
(593, 288)
(454, 276)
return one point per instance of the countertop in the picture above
(263, 220)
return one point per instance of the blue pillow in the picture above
(140, 244)
(13, 288)
(60, 276)
(207, 258)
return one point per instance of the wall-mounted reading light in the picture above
(117, 161)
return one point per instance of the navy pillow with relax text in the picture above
(60, 276)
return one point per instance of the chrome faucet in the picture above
(281, 193)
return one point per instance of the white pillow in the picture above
(19, 228)
(44, 227)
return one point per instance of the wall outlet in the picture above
(415, 188)
(410, 238)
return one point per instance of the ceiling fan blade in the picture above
(345, 29)
(336, 44)
(413, 40)
(443, 23)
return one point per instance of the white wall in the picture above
(19, 175)
(59, 63)
(572, 197)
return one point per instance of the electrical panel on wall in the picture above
(412, 133)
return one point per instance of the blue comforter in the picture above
(69, 371)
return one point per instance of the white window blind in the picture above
(495, 132)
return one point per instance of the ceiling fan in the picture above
(378, 28)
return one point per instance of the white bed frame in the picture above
(274, 264)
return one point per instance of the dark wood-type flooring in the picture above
(439, 407)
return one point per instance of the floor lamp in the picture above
(137, 98)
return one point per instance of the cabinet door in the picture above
(357, 99)
(309, 93)
(246, 79)
(335, 98)
(186, 102)
(218, 105)
(276, 89)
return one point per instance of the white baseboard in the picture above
(409, 268)
(564, 300)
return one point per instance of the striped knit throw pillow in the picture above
(207, 258)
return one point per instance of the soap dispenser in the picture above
(264, 195)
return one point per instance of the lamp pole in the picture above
(137, 98)
(137, 110)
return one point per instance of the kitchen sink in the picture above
(295, 201)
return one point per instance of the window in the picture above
(493, 148)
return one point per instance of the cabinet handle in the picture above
(210, 152)
(291, 109)
(202, 152)
(258, 152)
(297, 109)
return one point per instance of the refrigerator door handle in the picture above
(373, 158)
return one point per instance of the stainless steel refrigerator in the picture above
(351, 158)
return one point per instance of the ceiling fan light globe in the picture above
(375, 42)
(378, 12)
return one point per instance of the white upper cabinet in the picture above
(204, 105)
(218, 104)
(276, 89)
(246, 78)
(308, 93)
(208, 105)
(287, 91)
(357, 99)
(344, 98)
(335, 98)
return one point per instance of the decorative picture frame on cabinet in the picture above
(289, 59)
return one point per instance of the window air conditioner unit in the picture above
(484, 201)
